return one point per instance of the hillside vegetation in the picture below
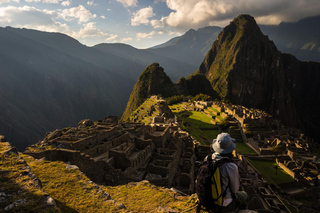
(27, 184)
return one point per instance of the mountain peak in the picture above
(152, 81)
(238, 43)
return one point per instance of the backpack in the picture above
(209, 184)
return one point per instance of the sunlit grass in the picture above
(15, 179)
(243, 148)
(72, 190)
(268, 171)
(145, 197)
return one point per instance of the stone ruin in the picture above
(261, 132)
(113, 152)
(110, 152)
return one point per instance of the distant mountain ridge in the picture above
(301, 39)
(50, 80)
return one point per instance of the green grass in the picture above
(194, 122)
(72, 191)
(213, 109)
(197, 123)
(145, 197)
(244, 149)
(175, 108)
(14, 179)
(268, 171)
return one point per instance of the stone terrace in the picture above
(111, 152)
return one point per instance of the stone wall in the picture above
(286, 169)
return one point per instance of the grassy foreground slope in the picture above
(74, 192)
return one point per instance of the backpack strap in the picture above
(219, 164)
(209, 157)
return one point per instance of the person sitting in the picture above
(223, 147)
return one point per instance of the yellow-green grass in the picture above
(213, 109)
(268, 171)
(144, 110)
(198, 125)
(13, 179)
(145, 197)
(244, 149)
(72, 190)
(175, 108)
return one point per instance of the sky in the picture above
(143, 23)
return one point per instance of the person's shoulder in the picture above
(230, 165)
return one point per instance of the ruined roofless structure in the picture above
(112, 152)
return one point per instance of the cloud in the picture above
(168, 32)
(32, 18)
(89, 30)
(8, 1)
(63, 3)
(80, 13)
(200, 13)
(128, 3)
(51, 1)
(124, 40)
(90, 3)
(145, 35)
(66, 3)
(142, 16)
(158, 23)
(112, 37)
(45, 1)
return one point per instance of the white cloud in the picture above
(200, 13)
(142, 16)
(63, 2)
(8, 1)
(145, 35)
(103, 17)
(112, 37)
(32, 0)
(32, 18)
(89, 30)
(80, 13)
(158, 23)
(128, 3)
(51, 1)
(168, 32)
(90, 3)
(45, 1)
(124, 40)
(66, 3)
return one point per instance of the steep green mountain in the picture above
(245, 67)
(194, 85)
(152, 81)
(301, 39)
